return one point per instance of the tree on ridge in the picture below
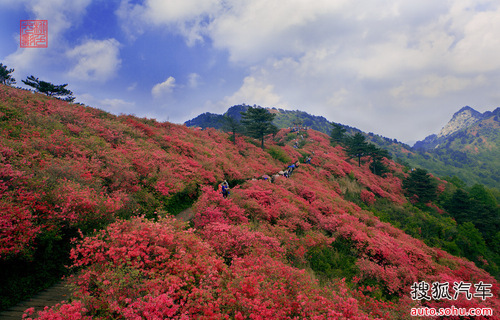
(258, 123)
(49, 89)
(5, 75)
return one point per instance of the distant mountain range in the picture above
(283, 119)
(467, 147)
(462, 120)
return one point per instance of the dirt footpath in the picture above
(49, 297)
(186, 215)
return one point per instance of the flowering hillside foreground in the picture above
(298, 248)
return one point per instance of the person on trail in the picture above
(308, 160)
(225, 189)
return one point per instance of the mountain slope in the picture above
(461, 120)
(316, 245)
(283, 119)
(467, 147)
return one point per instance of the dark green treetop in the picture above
(231, 124)
(337, 133)
(377, 154)
(421, 185)
(258, 123)
(357, 146)
(5, 75)
(49, 89)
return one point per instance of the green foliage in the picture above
(337, 134)
(21, 278)
(456, 181)
(258, 123)
(356, 146)
(279, 154)
(231, 124)
(471, 242)
(471, 154)
(181, 200)
(49, 89)
(420, 186)
(335, 261)
(5, 75)
(483, 195)
(288, 118)
(377, 155)
(290, 136)
(477, 206)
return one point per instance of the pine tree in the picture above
(337, 133)
(5, 75)
(230, 124)
(420, 184)
(377, 154)
(357, 146)
(49, 89)
(258, 123)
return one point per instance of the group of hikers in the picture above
(224, 186)
(298, 129)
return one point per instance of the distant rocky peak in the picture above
(464, 118)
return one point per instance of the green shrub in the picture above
(335, 261)
(279, 154)
(20, 278)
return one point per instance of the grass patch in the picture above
(278, 154)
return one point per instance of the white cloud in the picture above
(254, 30)
(193, 80)
(338, 99)
(61, 15)
(132, 87)
(113, 105)
(95, 60)
(160, 11)
(479, 49)
(254, 92)
(361, 62)
(163, 88)
(117, 105)
(187, 16)
(432, 86)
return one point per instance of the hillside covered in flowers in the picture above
(99, 193)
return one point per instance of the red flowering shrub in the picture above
(263, 288)
(64, 166)
(17, 230)
(143, 269)
(367, 197)
(231, 241)
(212, 207)
(153, 270)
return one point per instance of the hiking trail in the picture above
(48, 297)
(61, 291)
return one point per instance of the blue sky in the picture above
(395, 68)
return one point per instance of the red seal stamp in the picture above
(34, 34)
